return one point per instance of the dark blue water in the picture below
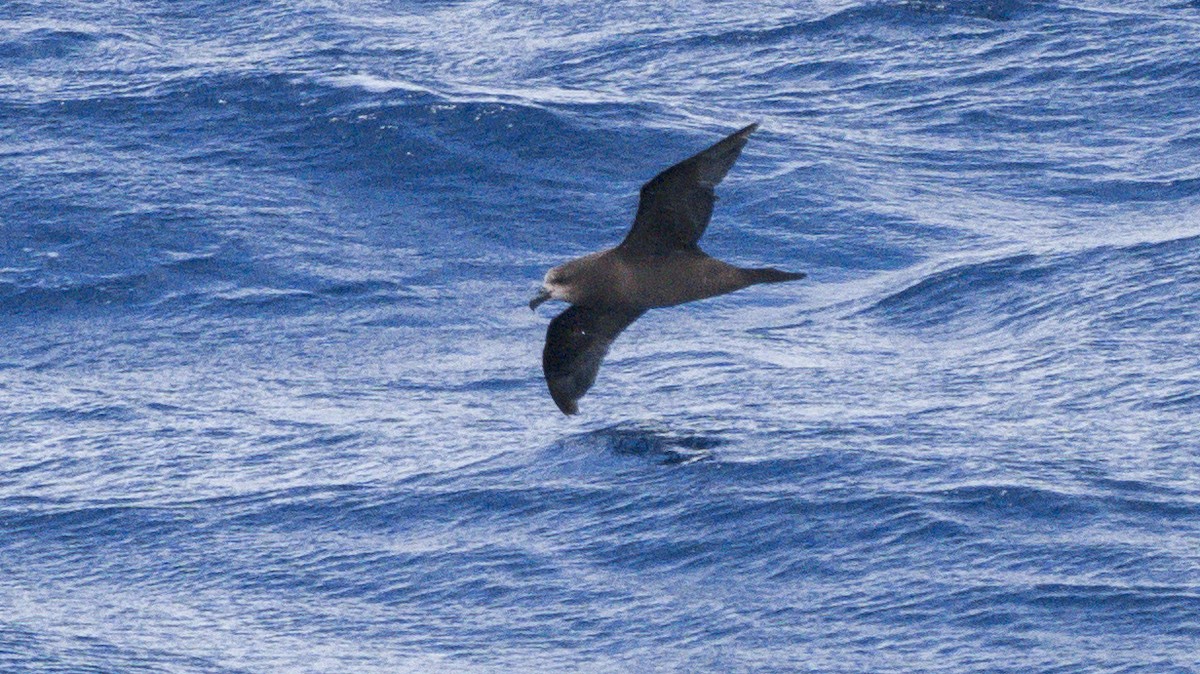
(271, 399)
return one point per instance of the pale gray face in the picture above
(560, 283)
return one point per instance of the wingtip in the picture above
(567, 407)
(747, 130)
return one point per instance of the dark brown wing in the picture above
(576, 342)
(677, 204)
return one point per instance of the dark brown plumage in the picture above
(659, 264)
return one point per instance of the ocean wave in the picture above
(1105, 285)
(1131, 191)
(46, 42)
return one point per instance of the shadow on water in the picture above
(640, 441)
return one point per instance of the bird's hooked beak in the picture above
(540, 297)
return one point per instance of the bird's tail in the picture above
(770, 275)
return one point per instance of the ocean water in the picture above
(270, 393)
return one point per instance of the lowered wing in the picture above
(576, 342)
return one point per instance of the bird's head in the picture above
(562, 282)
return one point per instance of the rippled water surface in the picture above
(271, 399)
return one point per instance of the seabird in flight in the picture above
(657, 265)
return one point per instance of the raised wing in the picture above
(576, 342)
(677, 204)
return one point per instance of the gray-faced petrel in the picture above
(657, 265)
